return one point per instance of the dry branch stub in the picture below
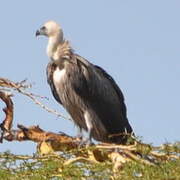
(8, 110)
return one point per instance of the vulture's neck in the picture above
(53, 43)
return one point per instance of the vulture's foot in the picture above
(79, 136)
(85, 143)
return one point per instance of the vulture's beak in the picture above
(38, 33)
(41, 31)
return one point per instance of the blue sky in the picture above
(137, 42)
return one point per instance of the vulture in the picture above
(88, 93)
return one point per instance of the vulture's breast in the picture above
(58, 77)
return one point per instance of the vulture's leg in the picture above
(88, 121)
(89, 138)
(87, 141)
(79, 133)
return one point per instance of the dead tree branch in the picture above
(49, 142)
(21, 87)
(8, 110)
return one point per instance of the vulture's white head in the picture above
(54, 32)
(50, 29)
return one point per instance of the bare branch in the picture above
(7, 123)
(20, 88)
(49, 142)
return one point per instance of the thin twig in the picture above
(26, 157)
(20, 88)
(113, 146)
(30, 95)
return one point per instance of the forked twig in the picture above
(20, 88)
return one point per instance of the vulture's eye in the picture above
(43, 28)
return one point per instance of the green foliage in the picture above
(53, 167)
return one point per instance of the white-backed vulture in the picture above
(86, 91)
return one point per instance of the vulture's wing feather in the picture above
(104, 97)
(114, 85)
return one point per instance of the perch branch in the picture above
(49, 142)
